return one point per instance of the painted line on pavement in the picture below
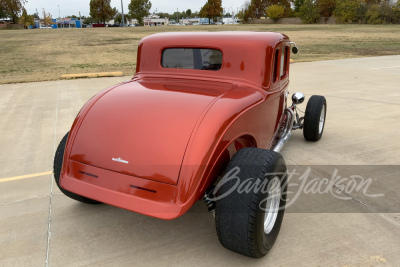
(24, 176)
(394, 67)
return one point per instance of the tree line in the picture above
(101, 12)
(310, 11)
(15, 10)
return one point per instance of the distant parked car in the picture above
(44, 27)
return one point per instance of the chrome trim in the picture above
(272, 206)
(322, 119)
(287, 133)
(298, 98)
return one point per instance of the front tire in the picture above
(249, 223)
(57, 166)
(314, 119)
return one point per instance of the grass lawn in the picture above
(41, 55)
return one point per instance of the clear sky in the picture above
(72, 7)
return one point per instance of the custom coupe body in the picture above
(157, 143)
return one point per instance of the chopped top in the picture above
(245, 55)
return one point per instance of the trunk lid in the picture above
(142, 128)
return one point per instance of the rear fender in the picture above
(222, 157)
(244, 115)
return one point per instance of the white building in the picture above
(191, 21)
(230, 20)
(155, 20)
(132, 21)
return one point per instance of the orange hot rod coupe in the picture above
(205, 115)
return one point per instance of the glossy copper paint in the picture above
(154, 144)
(177, 128)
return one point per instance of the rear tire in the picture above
(243, 224)
(57, 166)
(315, 117)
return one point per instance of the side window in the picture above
(284, 59)
(275, 77)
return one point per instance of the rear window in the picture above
(191, 58)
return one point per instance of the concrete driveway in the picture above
(40, 226)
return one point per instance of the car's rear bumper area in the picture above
(132, 193)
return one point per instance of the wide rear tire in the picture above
(57, 166)
(243, 220)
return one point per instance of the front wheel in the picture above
(314, 119)
(248, 221)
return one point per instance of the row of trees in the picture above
(211, 9)
(15, 10)
(101, 11)
(184, 14)
(310, 11)
(368, 11)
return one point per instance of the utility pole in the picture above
(177, 19)
(123, 20)
(59, 17)
(37, 18)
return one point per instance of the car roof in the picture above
(204, 38)
(246, 55)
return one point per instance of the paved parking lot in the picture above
(39, 225)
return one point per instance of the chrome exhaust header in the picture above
(287, 132)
